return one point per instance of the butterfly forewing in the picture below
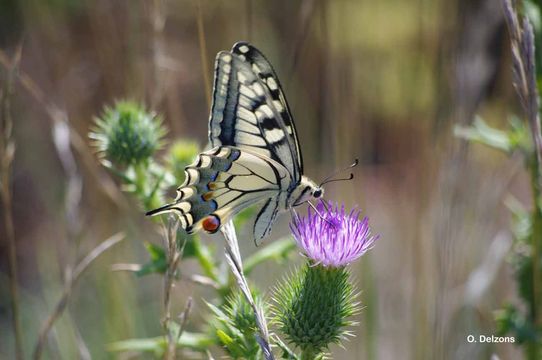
(250, 110)
(264, 70)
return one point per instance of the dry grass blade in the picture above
(203, 54)
(55, 114)
(524, 74)
(248, 12)
(74, 180)
(183, 319)
(84, 352)
(305, 16)
(173, 258)
(157, 15)
(203, 280)
(524, 77)
(174, 255)
(126, 267)
(68, 287)
(484, 275)
(7, 153)
(233, 258)
(209, 355)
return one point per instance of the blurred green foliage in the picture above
(181, 154)
(521, 321)
(513, 320)
(157, 263)
(234, 326)
(516, 138)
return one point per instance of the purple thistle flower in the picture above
(333, 237)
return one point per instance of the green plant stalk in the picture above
(7, 152)
(153, 198)
(535, 311)
(194, 341)
(12, 256)
(205, 259)
(371, 303)
(536, 180)
(140, 170)
(146, 193)
(310, 354)
(307, 354)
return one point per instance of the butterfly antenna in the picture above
(350, 177)
(330, 178)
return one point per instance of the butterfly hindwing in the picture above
(266, 218)
(222, 182)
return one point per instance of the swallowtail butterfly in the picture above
(255, 155)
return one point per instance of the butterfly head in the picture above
(309, 190)
(306, 190)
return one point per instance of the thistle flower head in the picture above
(333, 237)
(126, 134)
(313, 307)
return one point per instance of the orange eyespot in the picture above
(208, 196)
(211, 224)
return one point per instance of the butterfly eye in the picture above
(316, 194)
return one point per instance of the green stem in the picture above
(194, 341)
(533, 349)
(205, 259)
(7, 152)
(308, 354)
(311, 354)
(141, 184)
(140, 178)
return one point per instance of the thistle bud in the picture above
(126, 134)
(181, 154)
(235, 327)
(313, 307)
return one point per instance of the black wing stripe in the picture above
(249, 109)
(265, 219)
(262, 67)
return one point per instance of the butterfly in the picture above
(255, 155)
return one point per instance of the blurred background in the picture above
(383, 81)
